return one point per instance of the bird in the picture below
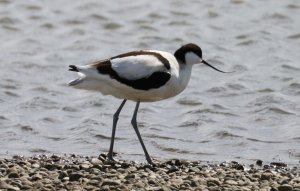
(139, 76)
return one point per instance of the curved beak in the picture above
(204, 62)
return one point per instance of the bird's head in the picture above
(191, 54)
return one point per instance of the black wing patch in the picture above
(155, 80)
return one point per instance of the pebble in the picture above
(285, 187)
(13, 175)
(231, 182)
(36, 177)
(75, 176)
(266, 176)
(96, 173)
(111, 182)
(213, 182)
(194, 169)
(4, 185)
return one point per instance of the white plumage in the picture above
(144, 65)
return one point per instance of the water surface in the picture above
(247, 115)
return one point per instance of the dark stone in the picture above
(13, 175)
(238, 167)
(259, 162)
(111, 183)
(36, 177)
(103, 156)
(266, 176)
(175, 162)
(130, 176)
(278, 164)
(173, 169)
(285, 187)
(125, 165)
(55, 158)
(75, 176)
(52, 167)
(62, 174)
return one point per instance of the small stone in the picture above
(98, 178)
(175, 162)
(194, 169)
(151, 181)
(140, 184)
(36, 177)
(215, 188)
(4, 185)
(177, 181)
(105, 188)
(285, 187)
(125, 164)
(155, 188)
(62, 174)
(13, 169)
(52, 167)
(231, 182)
(94, 182)
(96, 161)
(131, 169)
(25, 181)
(195, 183)
(84, 166)
(266, 176)
(26, 187)
(130, 176)
(213, 182)
(238, 167)
(173, 169)
(75, 167)
(13, 175)
(35, 165)
(278, 164)
(75, 176)
(111, 182)
(259, 162)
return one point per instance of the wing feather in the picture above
(141, 71)
(136, 67)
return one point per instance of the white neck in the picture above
(185, 75)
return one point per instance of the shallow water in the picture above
(247, 115)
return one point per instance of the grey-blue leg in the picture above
(115, 120)
(135, 127)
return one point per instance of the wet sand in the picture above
(96, 173)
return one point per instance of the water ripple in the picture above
(231, 116)
(38, 103)
(226, 135)
(263, 141)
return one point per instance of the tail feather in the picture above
(73, 68)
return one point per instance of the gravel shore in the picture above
(96, 173)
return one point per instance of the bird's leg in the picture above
(115, 120)
(135, 127)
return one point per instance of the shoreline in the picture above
(75, 172)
